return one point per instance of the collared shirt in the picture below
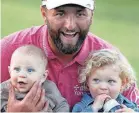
(65, 76)
(87, 100)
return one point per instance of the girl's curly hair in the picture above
(104, 57)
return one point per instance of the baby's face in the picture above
(25, 70)
(105, 80)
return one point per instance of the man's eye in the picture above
(80, 14)
(17, 69)
(60, 14)
(30, 70)
(96, 80)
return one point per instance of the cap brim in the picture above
(50, 4)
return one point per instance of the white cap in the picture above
(50, 4)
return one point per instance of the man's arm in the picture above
(132, 94)
(6, 52)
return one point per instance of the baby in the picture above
(106, 75)
(28, 65)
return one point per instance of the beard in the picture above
(68, 49)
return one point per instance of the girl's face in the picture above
(105, 80)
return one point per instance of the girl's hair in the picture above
(104, 57)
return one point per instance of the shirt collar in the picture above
(46, 45)
(83, 53)
(120, 99)
(87, 99)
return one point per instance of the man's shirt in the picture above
(64, 76)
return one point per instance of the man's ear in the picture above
(43, 12)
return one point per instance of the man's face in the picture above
(68, 26)
(25, 70)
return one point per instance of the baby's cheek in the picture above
(33, 78)
(14, 80)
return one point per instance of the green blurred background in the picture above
(116, 21)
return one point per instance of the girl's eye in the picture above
(96, 80)
(17, 69)
(30, 70)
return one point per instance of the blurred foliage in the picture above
(116, 21)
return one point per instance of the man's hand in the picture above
(34, 101)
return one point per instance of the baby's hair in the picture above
(104, 57)
(32, 50)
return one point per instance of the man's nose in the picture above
(70, 22)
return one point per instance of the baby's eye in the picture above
(30, 70)
(96, 80)
(17, 69)
(111, 81)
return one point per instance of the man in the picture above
(67, 42)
